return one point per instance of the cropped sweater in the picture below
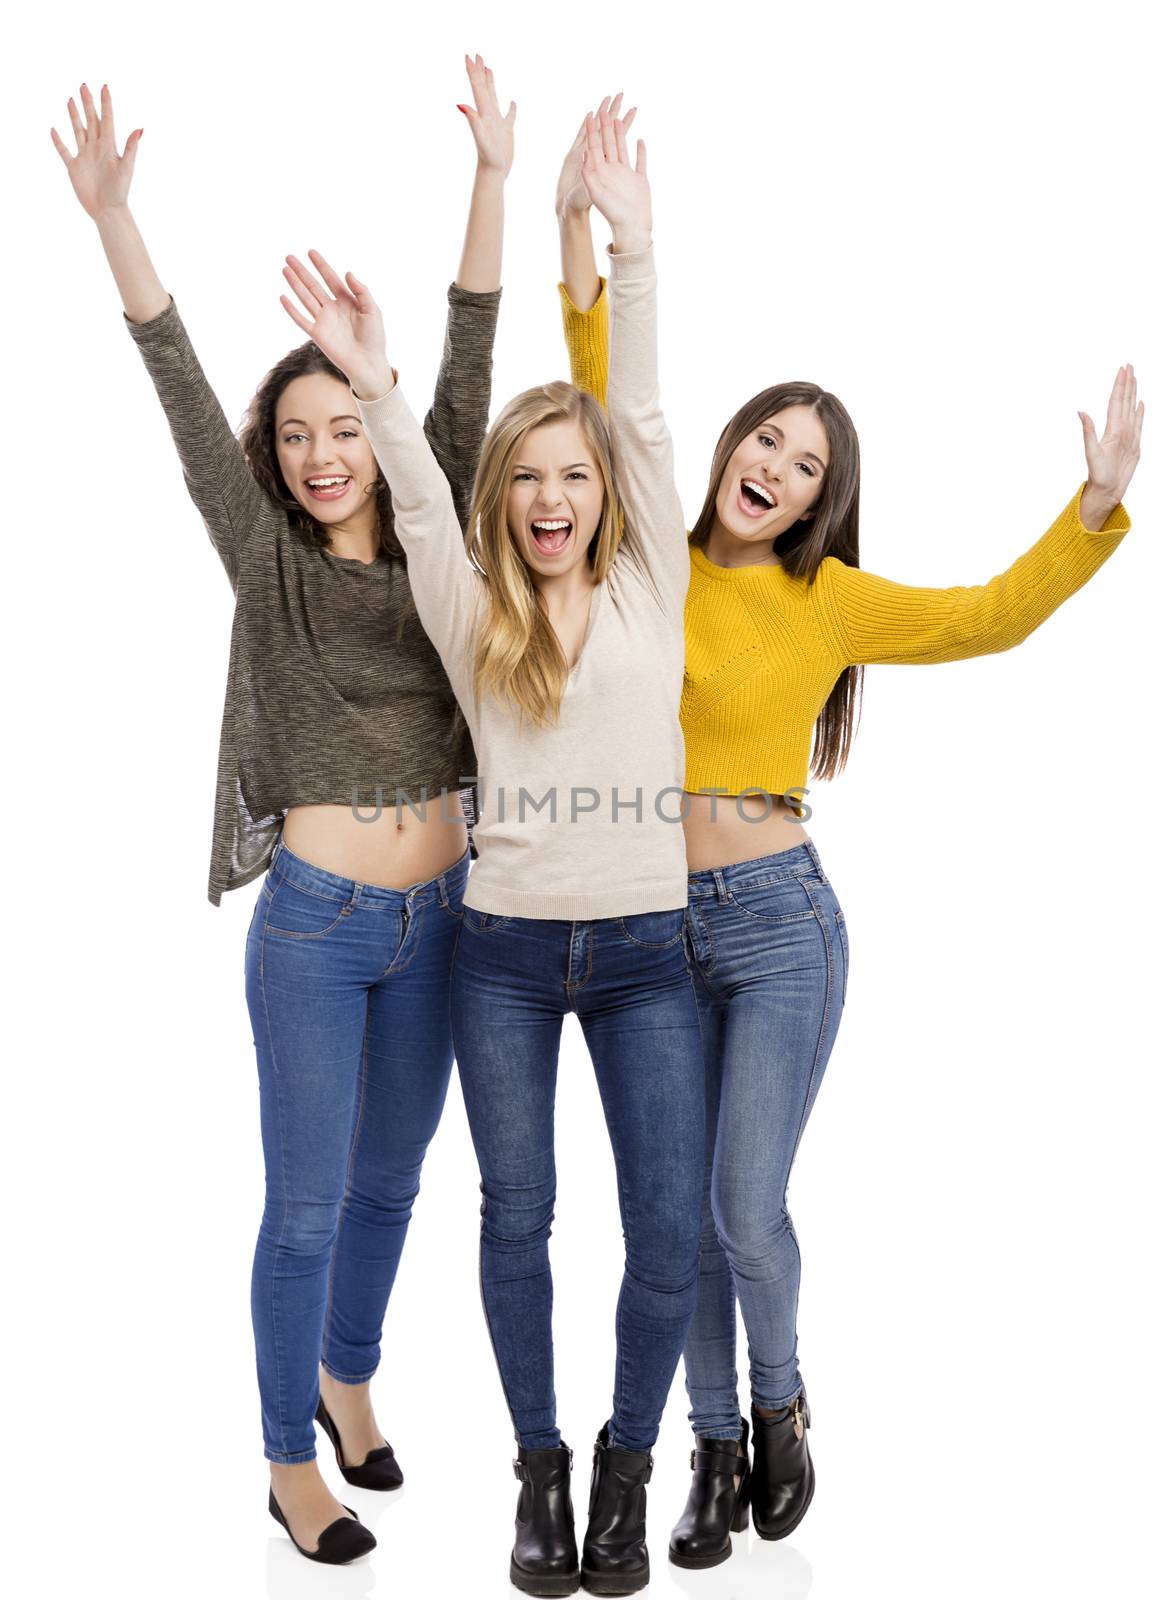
(764, 649)
(335, 694)
(578, 820)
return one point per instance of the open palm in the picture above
(492, 132)
(100, 178)
(343, 320)
(1112, 460)
(572, 194)
(620, 191)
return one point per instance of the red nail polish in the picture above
(463, 111)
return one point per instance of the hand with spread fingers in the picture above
(343, 320)
(618, 188)
(492, 132)
(572, 194)
(1111, 460)
(100, 178)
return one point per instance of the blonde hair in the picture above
(516, 653)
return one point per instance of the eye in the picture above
(291, 438)
(581, 476)
(523, 477)
(348, 433)
(764, 438)
(807, 468)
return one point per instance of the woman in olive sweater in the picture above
(337, 709)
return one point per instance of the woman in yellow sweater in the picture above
(780, 621)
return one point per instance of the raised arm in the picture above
(459, 415)
(456, 422)
(342, 319)
(870, 619)
(585, 311)
(215, 471)
(642, 446)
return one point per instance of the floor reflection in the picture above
(757, 1567)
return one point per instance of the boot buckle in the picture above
(799, 1417)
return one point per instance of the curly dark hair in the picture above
(258, 439)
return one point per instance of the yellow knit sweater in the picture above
(764, 650)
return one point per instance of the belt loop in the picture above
(809, 843)
(721, 886)
(442, 890)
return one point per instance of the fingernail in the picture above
(463, 111)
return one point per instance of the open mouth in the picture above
(755, 498)
(551, 536)
(327, 488)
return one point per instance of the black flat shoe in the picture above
(545, 1557)
(782, 1478)
(614, 1556)
(379, 1470)
(716, 1505)
(341, 1541)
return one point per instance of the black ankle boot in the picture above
(782, 1480)
(545, 1558)
(716, 1503)
(614, 1556)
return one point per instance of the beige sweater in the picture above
(581, 820)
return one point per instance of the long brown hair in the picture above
(831, 529)
(516, 655)
(258, 439)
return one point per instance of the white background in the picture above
(942, 215)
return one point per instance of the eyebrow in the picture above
(301, 423)
(771, 427)
(521, 467)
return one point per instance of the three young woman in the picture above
(560, 630)
(779, 622)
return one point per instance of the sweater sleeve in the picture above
(587, 341)
(446, 587)
(642, 445)
(219, 482)
(456, 422)
(870, 619)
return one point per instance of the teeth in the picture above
(762, 493)
(550, 527)
(325, 483)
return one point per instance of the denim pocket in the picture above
(296, 913)
(481, 921)
(840, 924)
(654, 930)
(783, 900)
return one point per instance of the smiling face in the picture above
(555, 498)
(774, 476)
(325, 459)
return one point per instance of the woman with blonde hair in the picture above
(561, 632)
(779, 622)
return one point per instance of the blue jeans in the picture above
(628, 981)
(770, 954)
(348, 991)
